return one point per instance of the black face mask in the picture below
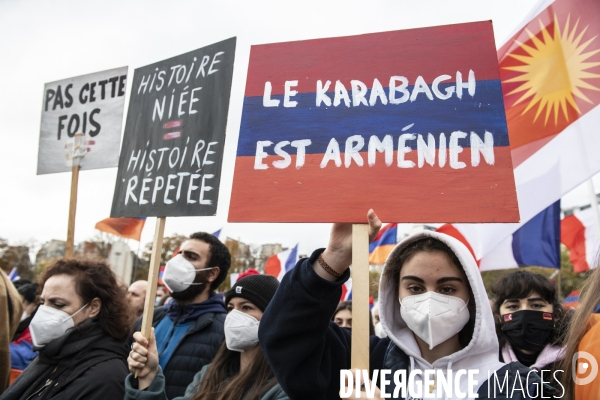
(528, 329)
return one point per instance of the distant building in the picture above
(50, 250)
(572, 210)
(241, 255)
(268, 250)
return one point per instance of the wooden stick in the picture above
(159, 233)
(72, 208)
(360, 296)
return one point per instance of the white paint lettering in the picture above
(455, 149)
(354, 145)
(322, 93)
(332, 153)
(289, 93)
(261, 154)
(403, 150)
(359, 91)
(425, 151)
(485, 147)
(387, 146)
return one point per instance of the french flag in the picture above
(13, 275)
(279, 264)
(218, 234)
(161, 273)
(536, 243)
(347, 290)
(553, 124)
(579, 232)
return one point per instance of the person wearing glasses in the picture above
(190, 329)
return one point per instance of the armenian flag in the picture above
(572, 300)
(130, 228)
(332, 127)
(384, 243)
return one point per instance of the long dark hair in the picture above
(430, 245)
(223, 379)
(521, 284)
(95, 279)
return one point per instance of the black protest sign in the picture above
(172, 150)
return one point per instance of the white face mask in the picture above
(180, 274)
(434, 317)
(379, 332)
(241, 331)
(49, 324)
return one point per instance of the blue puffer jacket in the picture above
(197, 348)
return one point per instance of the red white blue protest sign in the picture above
(410, 123)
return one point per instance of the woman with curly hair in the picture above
(80, 331)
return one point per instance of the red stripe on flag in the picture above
(449, 191)
(572, 235)
(428, 52)
(125, 227)
(450, 230)
(273, 266)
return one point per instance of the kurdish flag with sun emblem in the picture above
(550, 72)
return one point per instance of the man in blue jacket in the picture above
(189, 330)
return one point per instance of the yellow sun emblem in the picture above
(554, 70)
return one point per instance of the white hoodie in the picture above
(482, 351)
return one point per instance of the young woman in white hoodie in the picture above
(433, 307)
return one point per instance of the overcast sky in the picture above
(44, 41)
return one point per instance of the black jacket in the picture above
(196, 349)
(83, 364)
(306, 350)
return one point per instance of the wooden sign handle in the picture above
(360, 296)
(159, 232)
(72, 208)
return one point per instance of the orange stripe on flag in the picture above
(380, 254)
(130, 228)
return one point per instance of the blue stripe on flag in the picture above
(291, 260)
(320, 124)
(388, 237)
(538, 241)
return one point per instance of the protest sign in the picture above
(170, 162)
(410, 123)
(90, 104)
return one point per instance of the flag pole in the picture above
(360, 297)
(76, 154)
(148, 315)
(72, 210)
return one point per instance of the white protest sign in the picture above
(91, 104)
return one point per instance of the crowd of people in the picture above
(77, 334)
